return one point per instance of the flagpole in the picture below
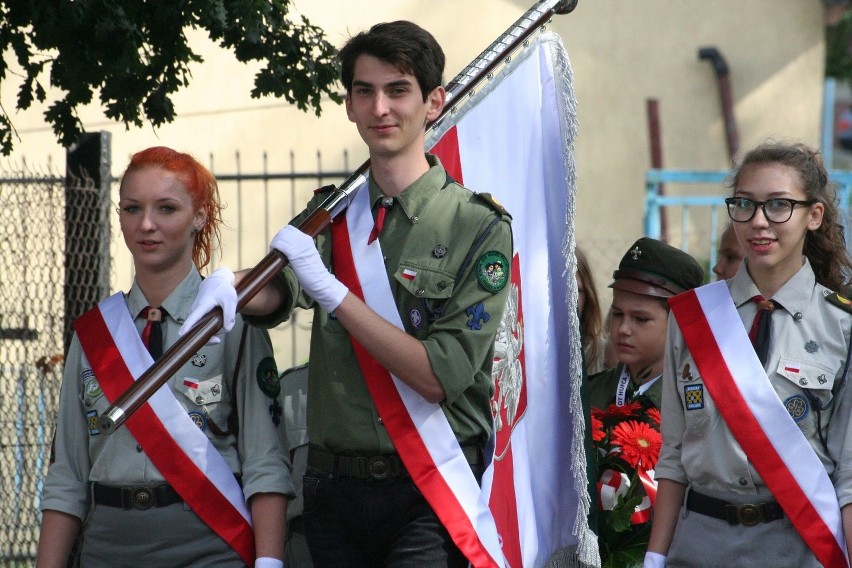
(463, 84)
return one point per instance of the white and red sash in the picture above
(175, 445)
(419, 429)
(774, 444)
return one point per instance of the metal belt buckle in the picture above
(141, 498)
(749, 515)
(379, 467)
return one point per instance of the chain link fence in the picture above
(31, 347)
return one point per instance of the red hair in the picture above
(201, 187)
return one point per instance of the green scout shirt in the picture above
(602, 387)
(431, 229)
(83, 454)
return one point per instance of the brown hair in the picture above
(591, 324)
(403, 44)
(201, 187)
(825, 247)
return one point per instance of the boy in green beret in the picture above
(649, 273)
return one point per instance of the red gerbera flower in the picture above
(598, 433)
(639, 442)
(616, 412)
(654, 414)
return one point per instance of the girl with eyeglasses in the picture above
(755, 469)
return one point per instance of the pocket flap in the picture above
(425, 282)
(806, 375)
(202, 391)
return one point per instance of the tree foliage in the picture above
(133, 55)
(838, 49)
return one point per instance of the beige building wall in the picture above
(622, 52)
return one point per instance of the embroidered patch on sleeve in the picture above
(492, 271)
(694, 396)
(477, 315)
(267, 377)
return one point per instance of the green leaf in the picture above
(133, 55)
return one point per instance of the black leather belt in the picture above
(375, 467)
(135, 497)
(746, 515)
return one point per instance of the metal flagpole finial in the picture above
(565, 6)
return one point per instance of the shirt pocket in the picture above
(424, 293)
(423, 281)
(812, 375)
(202, 391)
(805, 391)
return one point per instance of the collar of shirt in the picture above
(177, 304)
(794, 295)
(415, 198)
(643, 388)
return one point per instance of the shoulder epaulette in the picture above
(841, 302)
(325, 188)
(492, 202)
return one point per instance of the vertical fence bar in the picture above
(828, 101)
(87, 234)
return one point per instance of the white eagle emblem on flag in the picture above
(507, 372)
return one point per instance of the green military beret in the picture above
(653, 268)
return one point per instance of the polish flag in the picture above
(514, 140)
(191, 383)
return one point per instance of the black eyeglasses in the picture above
(778, 210)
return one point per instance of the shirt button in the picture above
(743, 481)
(138, 448)
(381, 421)
(798, 316)
(179, 320)
(199, 400)
(415, 219)
(419, 292)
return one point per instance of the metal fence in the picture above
(59, 254)
(31, 347)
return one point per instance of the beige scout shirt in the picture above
(294, 429)
(430, 230)
(699, 449)
(83, 454)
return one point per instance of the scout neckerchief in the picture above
(715, 336)
(169, 437)
(419, 429)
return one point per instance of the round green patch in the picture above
(492, 271)
(267, 377)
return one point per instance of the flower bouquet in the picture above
(627, 444)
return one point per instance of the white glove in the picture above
(215, 290)
(654, 560)
(268, 562)
(312, 274)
